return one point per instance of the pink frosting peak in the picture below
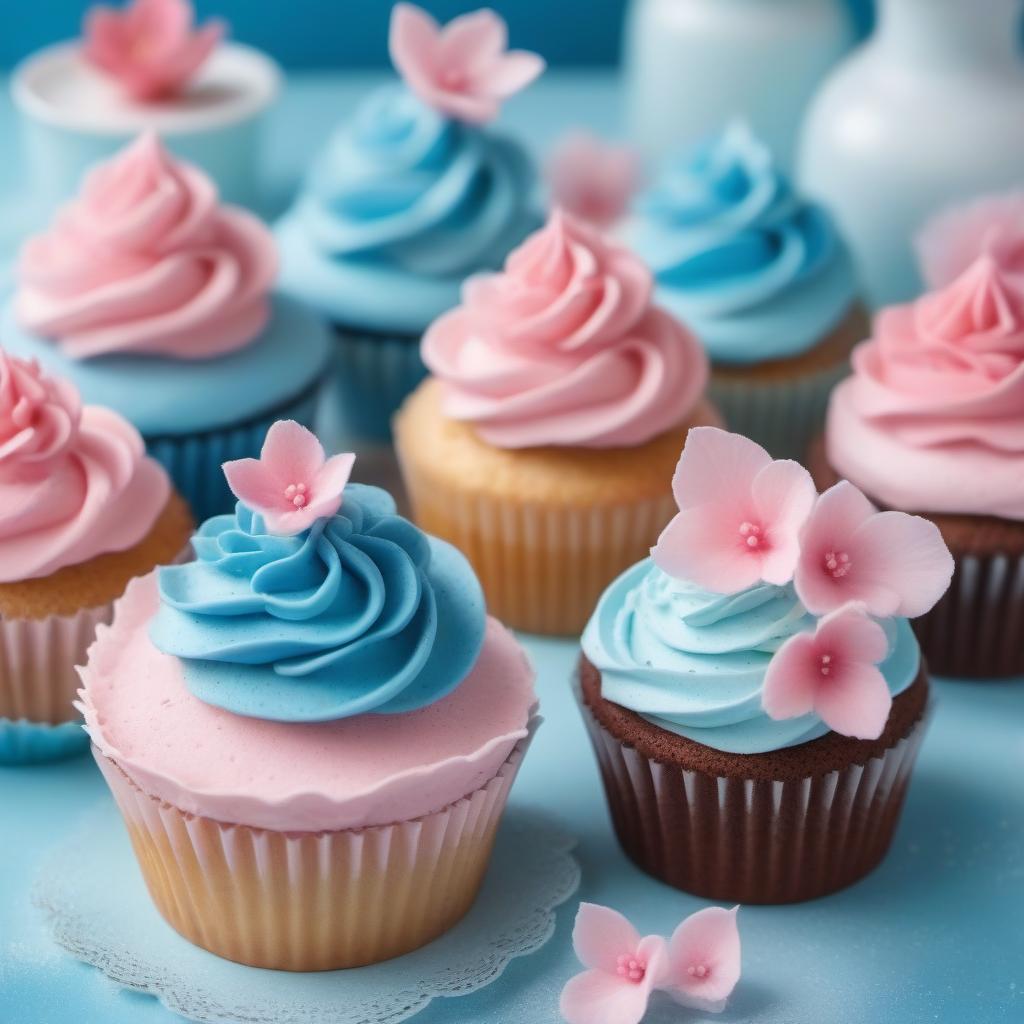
(146, 261)
(150, 47)
(75, 482)
(933, 418)
(564, 348)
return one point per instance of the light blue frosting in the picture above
(361, 613)
(693, 662)
(402, 206)
(756, 272)
(173, 397)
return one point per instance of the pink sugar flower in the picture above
(740, 514)
(292, 483)
(465, 69)
(891, 562)
(704, 960)
(592, 180)
(834, 673)
(622, 969)
(149, 47)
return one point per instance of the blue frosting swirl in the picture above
(756, 272)
(361, 613)
(693, 662)
(399, 209)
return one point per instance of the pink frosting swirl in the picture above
(933, 418)
(74, 482)
(564, 348)
(146, 261)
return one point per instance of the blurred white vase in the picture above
(930, 111)
(692, 65)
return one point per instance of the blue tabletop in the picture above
(933, 935)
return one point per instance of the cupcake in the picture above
(145, 67)
(761, 277)
(83, 510)
(754, 692)
(311, 731)
(932, 421)
(410, 196)
(544, 443)
(154, 299)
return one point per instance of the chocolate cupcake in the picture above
(754, 692)
(932, 422)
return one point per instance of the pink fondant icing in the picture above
(145, 260)
(565, 348)
(75, 482)
(356, 772)
(932, 419)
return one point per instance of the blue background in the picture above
(338, 34)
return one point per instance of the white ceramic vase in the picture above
(927, 113)
(692, 65)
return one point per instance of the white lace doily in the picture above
(116, 928)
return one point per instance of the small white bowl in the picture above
(72, 116)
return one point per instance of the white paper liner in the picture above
(782, 416)
(313, 901)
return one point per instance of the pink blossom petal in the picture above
(597, 997)
(856, 703)
(852, 635)
(710, 940)
(291, 453)
(253, 485)
(906, 555)
(702, 545)
(161, 19)
(512, 73)
(789, 681)
(600, 935)
(287, 524)
(413, 41)
(784, 495)
(717, 467)
(473, 42)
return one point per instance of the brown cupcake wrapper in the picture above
(782, 416)
(754, 840)
(542, 566)
(313, 901)
(976, 631)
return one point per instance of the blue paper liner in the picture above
(372, 375)
(24, 742)
(194, 461)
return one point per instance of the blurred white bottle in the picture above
(692, 65)
(930, 111)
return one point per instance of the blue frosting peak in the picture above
(404, 196)
(755, 271)
(361, 613)
(693, 662)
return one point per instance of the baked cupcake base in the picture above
(546, 529)
(46, 627)
(313, 901)
(976, 631)
(781, 404)
(782, 827)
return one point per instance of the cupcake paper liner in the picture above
(542, 566)
(38, 682)
(782, 416)
(976, 631)
(754, 841)
(313, 901)
(194, 460)
(373, 374)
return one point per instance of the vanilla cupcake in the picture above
(410, 195)
(144, 68)
(154, 298)
(312, 730)
(762, 278)
(83, 510)
(544, 443)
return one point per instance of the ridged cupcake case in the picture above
(313, 901)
